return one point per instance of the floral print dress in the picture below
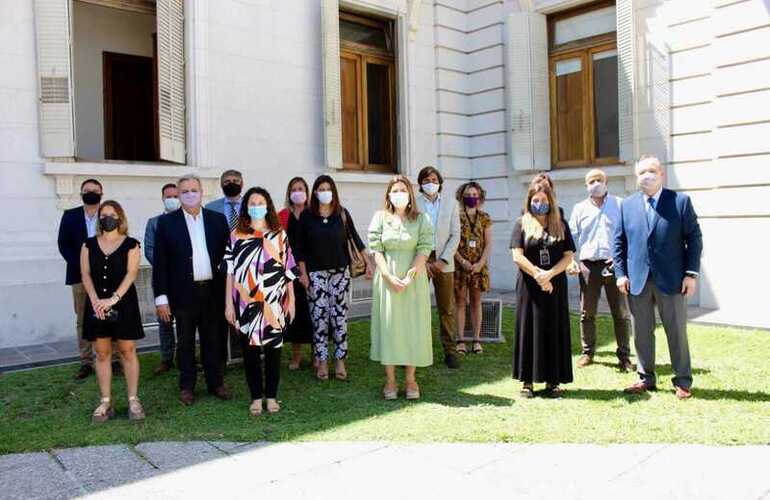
(471, 248)
(262, 267)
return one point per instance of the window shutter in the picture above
(625, 34)
(52, 25)
(171, 80)
(330, 33)
(527, 88)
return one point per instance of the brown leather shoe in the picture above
(163, 367)
(683, 393)
(639, 388)
(585, 360)
(187, 397)
(222, 393)
(625, 365)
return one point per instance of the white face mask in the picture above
(325, 197)
(399, 199)
(430, 188)
(597, 189)
(172, 204)
(648, 180)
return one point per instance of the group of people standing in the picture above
(643, 250)
(241, 267)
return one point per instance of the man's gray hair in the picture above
(190, 177)
(647, 160)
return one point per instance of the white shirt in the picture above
(432, 209)
(91, 223)
(592, 227)
(200, 252)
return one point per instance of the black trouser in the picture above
(252, 365)
(203, 315)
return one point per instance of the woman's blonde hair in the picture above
(411, 208)
(529, 223)
(123, 226)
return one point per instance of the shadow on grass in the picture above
(605, 395)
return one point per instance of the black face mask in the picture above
(231, 189)
(91, 198)
(108, 223)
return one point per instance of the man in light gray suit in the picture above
(170, 196)
(445, 216)
(230, 205)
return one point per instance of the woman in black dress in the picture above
(301, 329)
(542, 248)
(109, 264)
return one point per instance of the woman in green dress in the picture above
(401, 239)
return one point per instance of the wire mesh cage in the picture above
(491, 322)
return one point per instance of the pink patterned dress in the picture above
(262, 267)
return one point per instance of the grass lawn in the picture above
(46, 408)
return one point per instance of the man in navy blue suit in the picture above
(189, 283)
(657, 249)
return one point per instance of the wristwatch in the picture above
(444, 261)
(691, 274)
(116, 296)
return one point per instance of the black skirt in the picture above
(300, 331)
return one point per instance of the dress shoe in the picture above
(639, 388)
(84, 372)
(451, 361)
(117, 368)
(222, 393)
(683, 393)
(163, 367)
(585, 360)
(625, 365)
(187, 397)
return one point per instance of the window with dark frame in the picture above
(583, 75)
(368, 89)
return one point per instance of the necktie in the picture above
(651, 212)
(233, 219)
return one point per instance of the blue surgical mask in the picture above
(540, 208)
(258, 212)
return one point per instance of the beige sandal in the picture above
(412, 391)
(340, 374)
(273, 406)
(323, 371)
(103, 412)
(135, 409)
(390, 393)
(256, 408)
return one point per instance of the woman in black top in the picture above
(322, 254)
(300, 331)
(542, 248)
(109, 264)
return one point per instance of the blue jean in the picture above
(167, 341)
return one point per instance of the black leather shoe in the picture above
(84, 372)
(451, 361)
(625, 365)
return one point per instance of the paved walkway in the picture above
(339, 471)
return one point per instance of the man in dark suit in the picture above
(189, 284)
(657, 250)
(77, 224)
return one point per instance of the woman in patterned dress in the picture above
(259, 301)
(471, 272)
